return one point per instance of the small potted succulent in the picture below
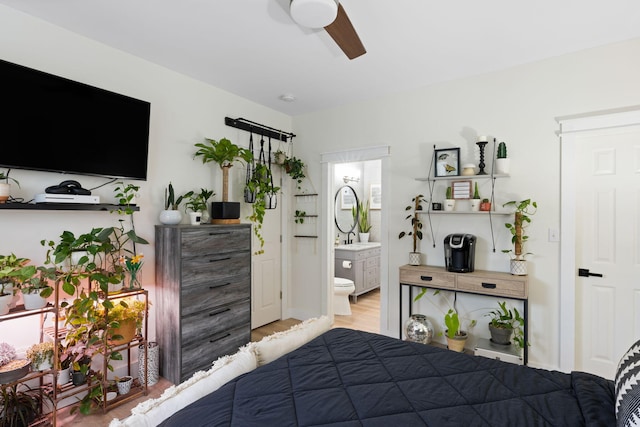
(502, 162)
(450, 202)
(485, 205)
(171, 214)
(41, 356)
(197, 204)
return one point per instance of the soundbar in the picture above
(67, 198)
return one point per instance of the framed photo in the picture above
(461, 189)
(347, 199)
(447, 162)
(375, 196)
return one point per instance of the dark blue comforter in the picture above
(353, 378)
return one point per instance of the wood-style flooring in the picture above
(365, 316)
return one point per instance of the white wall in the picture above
(183, 112)
(517, 106)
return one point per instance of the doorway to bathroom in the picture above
(364, 170)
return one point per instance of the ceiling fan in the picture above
(331, 16)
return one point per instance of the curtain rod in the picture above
(257, 128)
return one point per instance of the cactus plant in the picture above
(502, 150)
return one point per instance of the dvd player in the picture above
(67, 198)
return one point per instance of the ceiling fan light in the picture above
(314, 13)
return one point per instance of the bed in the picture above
(352, 378)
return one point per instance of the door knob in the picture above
(584, 272)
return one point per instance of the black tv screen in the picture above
(50, 123)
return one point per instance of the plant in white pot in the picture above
(36, 289)
(197, 203)
(5, 186)
(524, 209)
(476, 200)
(361, 217)
(416, 228)
(502, 162)
(171, 214)
(450, 202)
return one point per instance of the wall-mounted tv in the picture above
(51, 123)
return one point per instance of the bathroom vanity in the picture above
(359, 262)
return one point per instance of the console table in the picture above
(480, 282)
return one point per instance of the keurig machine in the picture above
(460, 252)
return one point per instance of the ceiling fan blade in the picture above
(342, 32)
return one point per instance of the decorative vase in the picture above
(124, 384)
(33, 300)
(501, 336)
(475, 205)
(518, 267)
(170, 217)
(133, 279)
(414, 258)
(502, 165)
(418, 329)
(195, 218)
(457, 342)
(364, 237)
(153, 363)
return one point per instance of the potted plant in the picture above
(225, 154)
(524, 209)
(126, 196)
(485, 205)
(279, 157)
(260, 184)
(41, 356)
(502, 162)
(13, 271)
(124, 384)
(416, 228)
(11, 369)
(35, 290)
(171, 213)
(450, 202)
(5, 186)
(362, 219)
(22, 405)
(197, 203)
(64, 365)
(124, 320)
(504, 323)
(294, 167)
(300, 216)
(475, 201)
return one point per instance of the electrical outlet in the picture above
(554, 235)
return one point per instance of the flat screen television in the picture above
(50, 123)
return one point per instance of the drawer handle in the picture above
(489, 285)
(219, 338)
(426, 278)
(219, 286)
(221, 259)
(220, 233)
(215, 313)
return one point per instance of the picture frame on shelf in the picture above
(461, 189)
(447, 162)
(375, 196)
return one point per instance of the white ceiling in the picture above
(253, 49)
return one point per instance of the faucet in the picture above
(349, 241)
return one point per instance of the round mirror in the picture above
(346, 199)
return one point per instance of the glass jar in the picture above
(418, 329)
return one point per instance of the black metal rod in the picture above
(258, 128)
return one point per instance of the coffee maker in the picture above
(460, 252)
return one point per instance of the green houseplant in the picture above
(21, 405)
(416, 227)
(505, 322)
(41, 356)
(294, 167)
(225, 153)
(475, 201)
(522, 218)
(197, 203)
(171, 213)
(260, 184)
(5, 186)
(361, 217)
(502, 162)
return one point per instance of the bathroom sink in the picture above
(358, 246)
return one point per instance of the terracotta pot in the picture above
(485, 206)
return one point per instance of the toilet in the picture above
(341, 290)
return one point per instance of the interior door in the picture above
(266, 306)
(607, 247)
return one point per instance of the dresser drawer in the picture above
(492, 286)
(214, 294)
(214, 267)
(214, 240)
(200, 355)
(199, 326)
(427, 277)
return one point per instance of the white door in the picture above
(607, 244)
(266, 268)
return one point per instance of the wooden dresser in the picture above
(203, 295)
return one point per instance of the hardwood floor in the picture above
(365, 316)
